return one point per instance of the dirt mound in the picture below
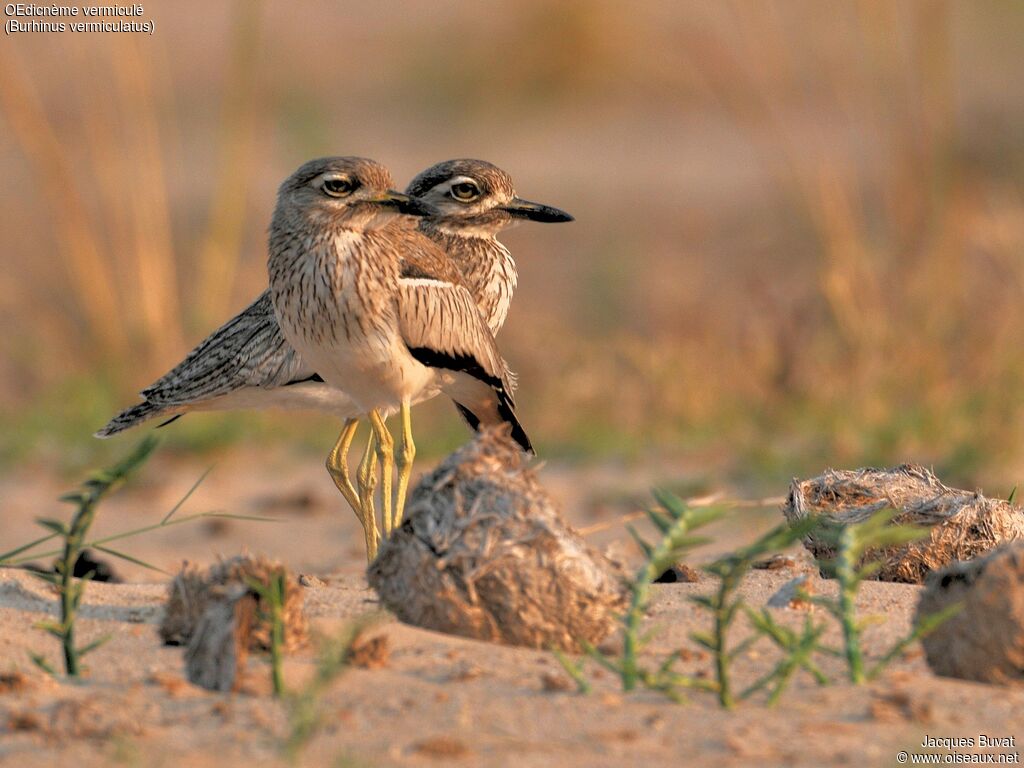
(484, 553)
(964, 524)
(985, 639)
(192, 591)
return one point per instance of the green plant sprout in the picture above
(74, 534)
(725, 605)
(334, 656)
(272, 594)
(798, 647)
(675, 520)
(850, 569)
(798, 650)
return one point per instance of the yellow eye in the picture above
(465, 191)
(340, 187)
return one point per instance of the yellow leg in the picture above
(337, 465)
(404, 463)
(367, 479)
(386, 454)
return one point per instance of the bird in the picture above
(247, 362)
(385, 335)
(475, 201)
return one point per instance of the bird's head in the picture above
(352, 192)
(476, 197)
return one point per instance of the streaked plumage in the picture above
(337, 253)
(247, 363)
(341, 301)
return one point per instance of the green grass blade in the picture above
(56, 526)
(25, 547)
(185, 498)
(130, 559)
(89, 647)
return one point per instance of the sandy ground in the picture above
(436, 699)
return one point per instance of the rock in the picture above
(192, 590)
(984, 641)
(483, 553)
(219, 645)
(964, 524)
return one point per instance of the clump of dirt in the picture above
(192, 591)
(373, 653)
(963, 524)
(680, 572)
(984, 641)
(219, 647)
(484, 553)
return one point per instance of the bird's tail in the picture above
(137, 414)
(506, 415)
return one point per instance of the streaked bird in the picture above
(385, 335)
(475, 201)
(247, 363)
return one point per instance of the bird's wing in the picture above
(441, 323)
(247, 351)
(427, 261)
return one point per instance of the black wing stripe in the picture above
(469, 416)
(314, 377)
(457, 362)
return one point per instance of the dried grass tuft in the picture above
(984, 641)
(962, 524)
(483, 553)
(192, 591)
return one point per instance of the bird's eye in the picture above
(465, 191)
(340, 187)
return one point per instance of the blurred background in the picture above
(799, 238)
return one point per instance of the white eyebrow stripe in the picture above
(329, 175)
(422, 281)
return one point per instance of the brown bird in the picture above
(247, 363)
(384, 334)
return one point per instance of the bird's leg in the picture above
(386, 453)
(367, 479)
(337, 465)
(404, 462)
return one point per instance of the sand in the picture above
(437, 699)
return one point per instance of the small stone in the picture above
(984, 640)
(441, 748)
(794, 594)
(374, 653)
(551, 682)
(776, 563)
(219, 646)
(679, 573)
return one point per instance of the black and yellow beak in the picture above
(406, 204)
(524, 209)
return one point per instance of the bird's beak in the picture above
(524, 209)
(412, 206)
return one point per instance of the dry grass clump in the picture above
(961, 524)
(483, 553)
(984, 641)
(192, 592)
